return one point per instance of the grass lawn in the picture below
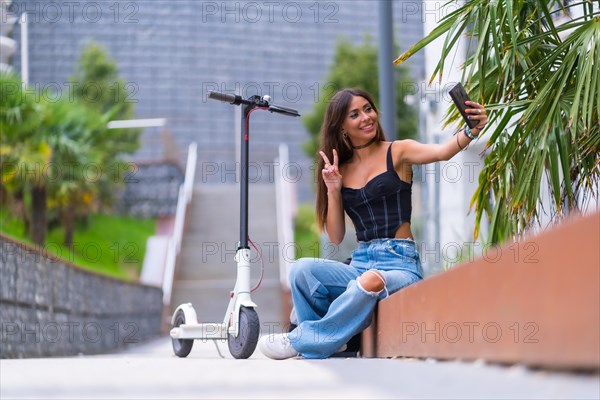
(109, 245)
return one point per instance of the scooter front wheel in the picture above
(181, 347)
(244, 344)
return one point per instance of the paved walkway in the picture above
(151, 371)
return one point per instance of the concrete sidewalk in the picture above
(151, 371)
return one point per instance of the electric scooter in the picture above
(241, 326)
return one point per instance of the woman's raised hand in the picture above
(331, 174)
(479, 113)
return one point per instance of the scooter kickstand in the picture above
(218, 350)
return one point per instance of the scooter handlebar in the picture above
(284, 110)
(263, 102)
(227, 98)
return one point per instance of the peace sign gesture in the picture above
(331, 174)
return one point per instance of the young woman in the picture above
(369, 179)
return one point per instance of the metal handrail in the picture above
(183, 200)
(286, 210)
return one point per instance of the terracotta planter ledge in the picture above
(536, 302)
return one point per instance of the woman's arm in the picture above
(413, 152)
(335, 224)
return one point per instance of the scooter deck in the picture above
(199, 331)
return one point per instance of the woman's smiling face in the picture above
(361, 121)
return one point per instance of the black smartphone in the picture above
(459, 96)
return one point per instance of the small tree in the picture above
(81, 138)
(356, 66)
(99, 87)
(97, 84)
(46, 145)
(75, 134)
(23, 154)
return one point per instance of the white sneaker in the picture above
(277, 346)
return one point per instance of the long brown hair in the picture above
(332, 138)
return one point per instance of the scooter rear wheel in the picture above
(181, 347)
(244, 344)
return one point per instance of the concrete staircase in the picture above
(207, 270)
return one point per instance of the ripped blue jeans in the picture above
(330, 304)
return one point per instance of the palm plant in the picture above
(98, 85)
(535, 65)
(23, 154)
(72, 131)
(58, 154)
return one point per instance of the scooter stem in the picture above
(245, 139)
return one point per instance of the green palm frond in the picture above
(536, 68)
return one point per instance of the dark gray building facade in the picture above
(171, 53)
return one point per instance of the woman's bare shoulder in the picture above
(399, 150)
